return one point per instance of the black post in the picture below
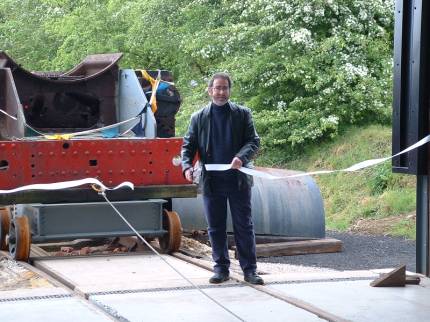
(411, 102)
(422, 225)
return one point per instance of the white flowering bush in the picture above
(328, 63)
(305, 67)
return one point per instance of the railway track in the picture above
(141, 287)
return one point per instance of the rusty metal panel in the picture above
(90, 67)
(94, 65)
(80, 99)
(9, 102)
(141, 161)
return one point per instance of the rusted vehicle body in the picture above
(94, 121)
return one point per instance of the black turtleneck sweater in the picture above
(221, 137)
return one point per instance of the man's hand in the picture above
(236, 163)
(189, 174)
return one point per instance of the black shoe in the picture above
(253, 278)
(218, 278)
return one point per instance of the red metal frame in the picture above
(141, 161)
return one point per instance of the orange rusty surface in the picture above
(141, 161)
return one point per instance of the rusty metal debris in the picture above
(124, 244)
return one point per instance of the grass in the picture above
(405, 228)
(370, 193)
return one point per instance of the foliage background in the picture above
(309, 69)
(306, 68)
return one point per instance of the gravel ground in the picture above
(360, 252)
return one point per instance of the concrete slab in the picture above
(357, 301)
(101, 274)
(66, 309)
(191, 305)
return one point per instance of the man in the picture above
(223, 132)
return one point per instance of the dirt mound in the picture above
(381, 226)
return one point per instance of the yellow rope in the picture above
(58, 136)
(154, 84)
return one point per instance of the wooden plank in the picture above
(36, 251)
(265, 239)
(396, 277)
(412, 280)
(314, 246)
(89, 195)
(201, 236)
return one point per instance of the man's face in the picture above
(220, 91)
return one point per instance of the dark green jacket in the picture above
(197, 140)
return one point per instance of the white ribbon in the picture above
(99, 129)
(68, 184)
(7, 114)
(355, 167)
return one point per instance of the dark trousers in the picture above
(216, 215)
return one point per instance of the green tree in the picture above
(306, 68)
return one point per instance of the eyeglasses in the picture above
(221, 88)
